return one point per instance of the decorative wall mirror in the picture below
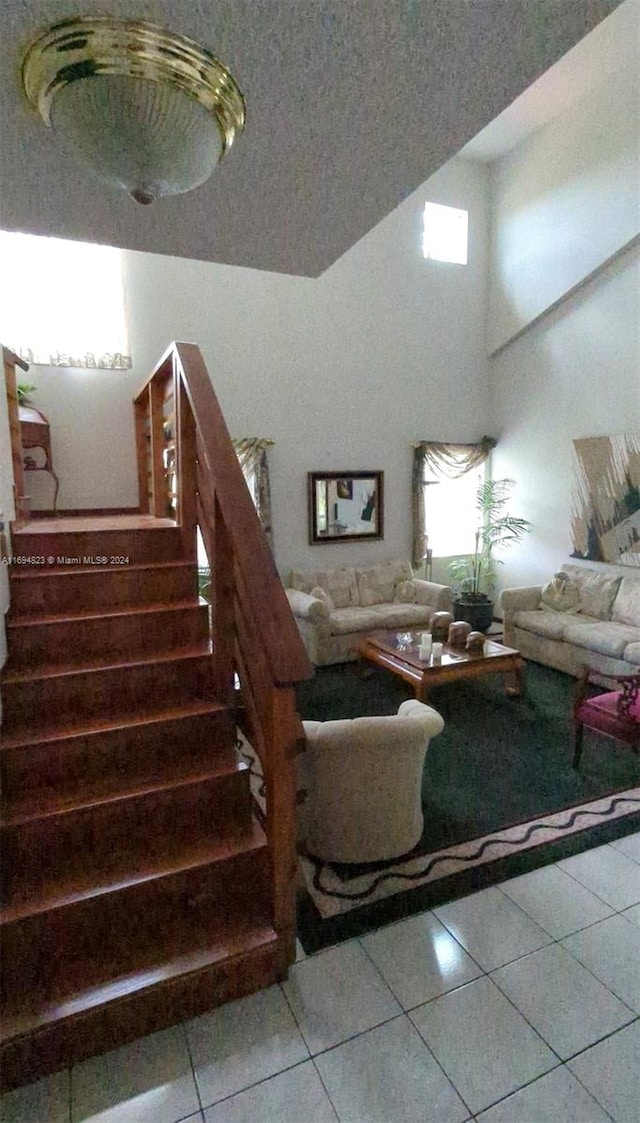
(344, 506)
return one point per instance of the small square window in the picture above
(445, 233)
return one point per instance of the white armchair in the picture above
(363, 783)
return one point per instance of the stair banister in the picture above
(253, 630)
(11, 361)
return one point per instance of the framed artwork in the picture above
(605, 505)
(344, 506)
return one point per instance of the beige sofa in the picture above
(334, 607)
(599, 625)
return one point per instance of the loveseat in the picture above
(591, 617)
(334, 607)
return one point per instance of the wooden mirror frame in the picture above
(352, 487)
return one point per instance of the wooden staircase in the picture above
(138, 887)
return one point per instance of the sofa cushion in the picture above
(401, 615)
(597, 590)
(405, 592)
(339, 583)
(632, 653)
(626, 606)
(542, 623)
(605, 637)
(344, 621)
(322, 595)
(377, 584)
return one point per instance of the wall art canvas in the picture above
(605, 505)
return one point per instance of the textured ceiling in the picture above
(351, 105)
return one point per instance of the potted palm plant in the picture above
(473, 576)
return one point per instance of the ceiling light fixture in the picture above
(146, 109)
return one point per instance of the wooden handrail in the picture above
(188, 469)
(278, 633)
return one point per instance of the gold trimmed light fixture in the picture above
(146, 109)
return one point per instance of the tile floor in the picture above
(517, 1004)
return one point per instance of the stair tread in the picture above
(190, 708)
(75, 524)
(36, 573)
(81, 888)
(68, 617)
(41, 810)
(228, 946)
(59, 670)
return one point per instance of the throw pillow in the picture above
(597, 595)
(322, 594)
(405, 592)
(561, 594)
(376, 585)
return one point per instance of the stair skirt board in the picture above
(136, 878)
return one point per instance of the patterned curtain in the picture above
(433, 460)
(252, 454)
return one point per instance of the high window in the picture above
(62, 303)
(445, 236)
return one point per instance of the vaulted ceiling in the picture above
(351, 105)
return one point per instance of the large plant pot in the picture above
(477, 612)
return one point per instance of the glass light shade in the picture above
(145, 108)
(148, 137)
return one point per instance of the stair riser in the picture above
(43, 851)
(63, 701)
(95, 940)
(119, 637)
(50, 593)
(134, 546)
(87, 1033)
(105, 763)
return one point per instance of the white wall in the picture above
(575, 374)
(567, 199)
(344, 372)
(91, 427)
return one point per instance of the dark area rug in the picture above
(499, 794)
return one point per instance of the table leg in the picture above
(514, 680)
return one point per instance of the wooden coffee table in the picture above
(386, 650)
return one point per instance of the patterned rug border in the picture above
(332, 912)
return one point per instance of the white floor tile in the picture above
(633, 914)
(296, 1096)
(608, 873)
(492, 929)
(629, 846)
(562, 1001)
(556, 902)
(336, 995)
(419, 959)
(611, 951)
(611, 1072)
(242, 1043)
(148, 1080)
(47, 1099)
(388, 1074)
(483, 1044)
(554, 1098)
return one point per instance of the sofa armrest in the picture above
(306, 606)
(438, 597)
(525, 598)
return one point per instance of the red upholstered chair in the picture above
(615, 714)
